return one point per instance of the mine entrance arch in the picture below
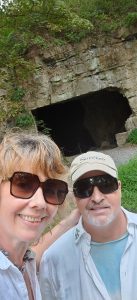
(86, 122)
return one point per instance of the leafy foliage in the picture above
(41, 125)
(131, 19)
(26, 24)
(17, 94)
(106, 15)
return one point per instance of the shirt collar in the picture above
(131, 217)
(131, 220)
(79, 232)
(5, 262)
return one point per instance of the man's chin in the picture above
(100, 221)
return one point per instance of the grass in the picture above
(132, 138)
(128, 177)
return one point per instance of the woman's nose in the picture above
(38, 200)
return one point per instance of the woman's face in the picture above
(23, 220)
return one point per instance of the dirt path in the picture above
(122, 155)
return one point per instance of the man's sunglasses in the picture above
(106, 184)
(24, 185)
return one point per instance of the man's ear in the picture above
(119, 184)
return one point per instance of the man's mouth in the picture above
(98, 207)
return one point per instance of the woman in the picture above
(31, 188)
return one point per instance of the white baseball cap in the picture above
(91, 161)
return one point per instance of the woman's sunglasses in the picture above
(24, 185)
(106, 184)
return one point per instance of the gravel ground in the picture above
(122, 155)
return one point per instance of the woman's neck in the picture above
(16, 250)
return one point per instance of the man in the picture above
(96, 259)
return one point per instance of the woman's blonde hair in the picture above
(39, 151)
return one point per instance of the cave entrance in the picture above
(87, 122)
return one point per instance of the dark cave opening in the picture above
(86, 122)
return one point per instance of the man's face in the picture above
(99, 209)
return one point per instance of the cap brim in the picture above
(84, 168)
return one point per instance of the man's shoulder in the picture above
(62, 244)
(68, 235)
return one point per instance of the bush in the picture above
(131, 19)
(132, 138)
(17, 94)
(24, 120)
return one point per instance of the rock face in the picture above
(71, 71)
(88, 67)
(106, 64)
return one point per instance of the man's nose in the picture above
(97, 196)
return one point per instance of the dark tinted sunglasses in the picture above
(24, 185)
(106, 184)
